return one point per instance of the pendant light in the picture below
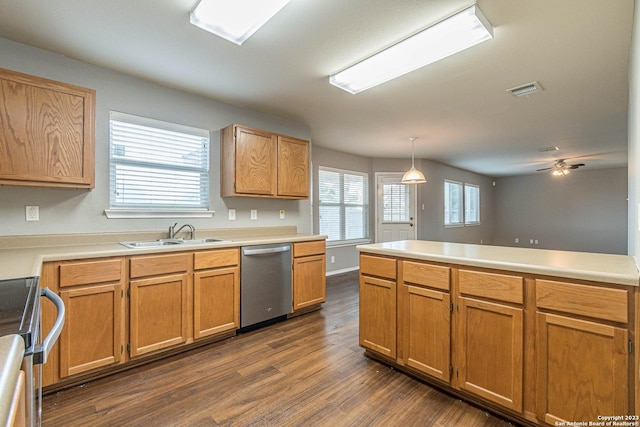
(413, 175)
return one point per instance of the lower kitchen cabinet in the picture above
(309, 274)
(158, 305)
(378, 305)
(216, 292)
(91, 337)
(425, 314)
(582, 368)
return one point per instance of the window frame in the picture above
(148, 210)
(365, 207)
(463, 202)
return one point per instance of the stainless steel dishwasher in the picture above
(265, 283)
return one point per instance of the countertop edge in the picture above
(569, 272)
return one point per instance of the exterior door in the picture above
(395, 209)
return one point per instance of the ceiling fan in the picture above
(561, 168)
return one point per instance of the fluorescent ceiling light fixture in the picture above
(234, 20)
(452, 35)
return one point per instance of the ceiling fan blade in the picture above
(543, 169)
(576, 166)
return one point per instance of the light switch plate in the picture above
(281, 213)
(232, 214)
(254, 214)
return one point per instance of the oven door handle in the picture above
(42, 351)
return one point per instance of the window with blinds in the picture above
(453, 203)
(157, 165)
(471, 204)
(396, 206)
(343, 205)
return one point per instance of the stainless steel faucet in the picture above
(173, 231)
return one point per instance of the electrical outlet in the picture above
(281, 213)
(232, 214)
(32, 213)
(516, 240)
(254, 214)
(333, 259)
(531, 241)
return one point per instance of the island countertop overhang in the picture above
(605, 268)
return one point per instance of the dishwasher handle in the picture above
(266, 251)
(42, 351)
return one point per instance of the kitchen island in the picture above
(539, 336)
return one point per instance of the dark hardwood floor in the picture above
(307, 371)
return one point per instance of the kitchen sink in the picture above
(171, 242)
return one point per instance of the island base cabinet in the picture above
(215, 301)
(491, 351)
(426, 333)
(582, 369)
(90, 338)
(158, 313)
(378, 315)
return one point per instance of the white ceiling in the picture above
(459, 108)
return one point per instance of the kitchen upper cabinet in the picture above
(216, 292)
(257, 163)
(309, 274)
(490, 337)
(378, 304)
(425, 318)
(92, 292)
(158, 309)
(593, 379)
(47, 132)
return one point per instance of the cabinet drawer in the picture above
(158, 264)
(309, 248)
(418, 273)
(591, 301)
(495, 286)
(378, 266)
(89, 272)
(215, 259)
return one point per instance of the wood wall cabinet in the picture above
(490, 337)
(216, 292)
(425, 317)
(258, 163)
(158, 306)
(309, 274)
(593, 379)
(93, 295)
(378, 304)
(47, 132)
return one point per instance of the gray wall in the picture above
(634, 140)
(584, 211)
(82, 211)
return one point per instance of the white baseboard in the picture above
(343, 270)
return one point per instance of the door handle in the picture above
(410, 224)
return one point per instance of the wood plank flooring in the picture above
(307, 371)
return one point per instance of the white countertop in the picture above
(23, 256)
(607, 268)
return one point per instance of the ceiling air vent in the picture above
(526, 90)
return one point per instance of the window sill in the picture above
(342, 243)
(160, 213)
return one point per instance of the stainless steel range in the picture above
(20, 314)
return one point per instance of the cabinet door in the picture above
(46, 132)
(426, 340)
(91, 337)
(582, 369)
(216, 301)
(158, 313)
(255, 162)
(490, 352)
(293, 167)
(309, 281)
(378, 315)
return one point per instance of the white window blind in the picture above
(395, 200)
(453, 203)
(344, 210)
(157, 165)
(471, 204)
